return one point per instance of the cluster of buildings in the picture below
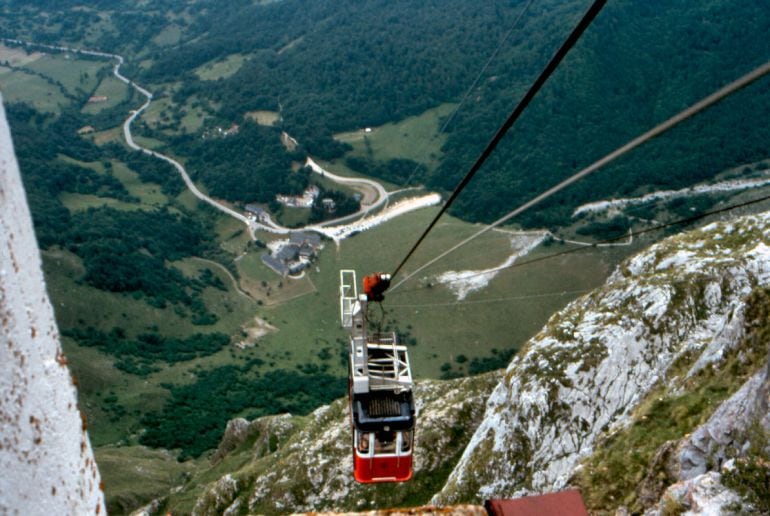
(290, 257)
(257, 213)
(295, 255)
(221, 132)
(305, 200)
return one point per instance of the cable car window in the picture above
(363, 442)
(406, 441)
(385, 442)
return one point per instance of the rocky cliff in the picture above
(602, 396)
(283, 464)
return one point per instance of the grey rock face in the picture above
(708, 447)
(236, 432)
(309, 468)
(703, 494)
(583, 375)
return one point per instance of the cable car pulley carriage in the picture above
(382, 410)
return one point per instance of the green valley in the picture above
(172, 322)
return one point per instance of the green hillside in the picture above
(173, 324)
(341, 66)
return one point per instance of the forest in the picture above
(250, 166)
(372, 62)
(326, 67)
(195, 417)
(122, 251)
(140, 355)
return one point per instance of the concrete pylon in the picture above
(46, 461)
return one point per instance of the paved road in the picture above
(382, 194)
(179, 167)
(134, 114)
(267, 225)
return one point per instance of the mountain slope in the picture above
(339, 66)
(669, 336)
(282, 464)
(634, 393)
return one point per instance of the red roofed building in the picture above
(564, 503)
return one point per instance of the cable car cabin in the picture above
(382, 411)
(383, 417)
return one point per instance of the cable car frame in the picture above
(381, 403)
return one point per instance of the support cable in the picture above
(708, 101)
(590, 15)
(523, 297)
(472, 87)
(632, 234)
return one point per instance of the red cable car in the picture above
(382, 413)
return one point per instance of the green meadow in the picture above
(48, 81)
(416, 138)
(222, 68)
(74, 73)
(264, 117)
(116, 92)
(32, 89)
(446, 337)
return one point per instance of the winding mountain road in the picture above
(268, 225)
(179, 167)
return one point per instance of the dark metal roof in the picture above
(255, 209)
(288, 253)
(375, 410)
(301, 237)
(275, 264)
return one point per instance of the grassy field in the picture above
(150, 143)
(16, 56)
(114, 135)
(134, 475)
(222, 68)
(170, 35)
(97, 379)
(149, 193)
(79, 305)
(193, 119)
(81, 202)
(31, 85)
(294, 217)
(263, 117)
(233, 236)
(416, 138)
(160, 115)
(25, 87)
(500, 317)
(77, 75)
(116, 92)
